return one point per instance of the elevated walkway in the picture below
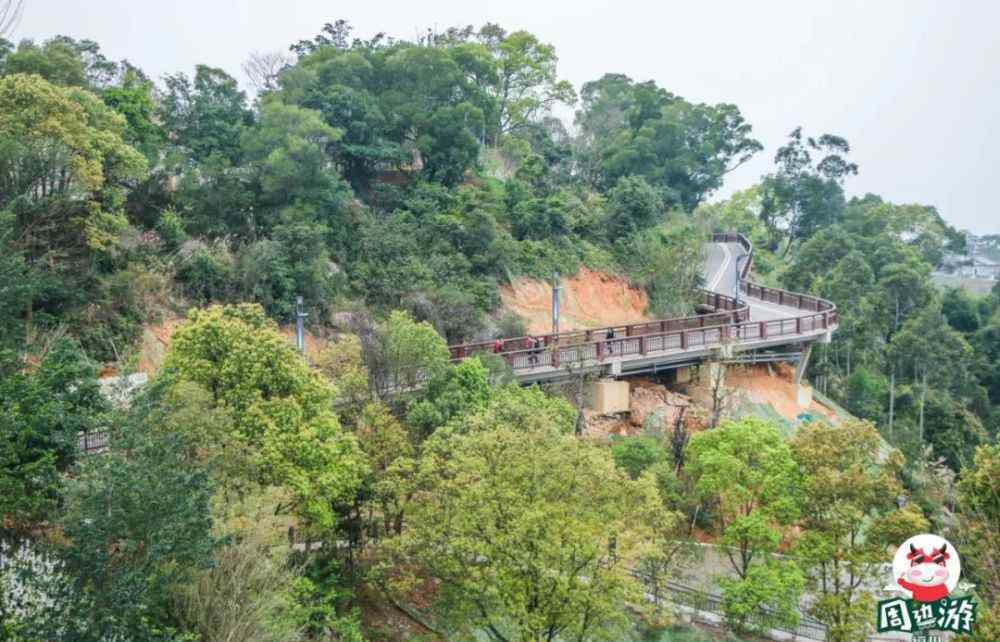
(746, 317)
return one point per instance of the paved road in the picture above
(720, 276)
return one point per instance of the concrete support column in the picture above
(800, 370)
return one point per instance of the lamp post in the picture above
(738, 273)
(300, 336)
(555, 303)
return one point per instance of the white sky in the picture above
(913, 85)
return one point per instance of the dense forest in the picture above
(248, 494)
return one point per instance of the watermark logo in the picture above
(925, 572)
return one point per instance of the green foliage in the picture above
(747, 475)
(633, 205)
(280, 409)
(979, 509)
(805, 196)
(526, 408)
(249, 592)
(666, 261)
(408, 353)
(61, 61)
(848, 520)
(509, 520)
(960, 310)
(635, 455)
(123, 561)
(206, 116)
(86, 177)
(41, 413)
(383, 175)
(639, 129)
(133, 99)
(768, 596)
(867, 393)
(453, 392)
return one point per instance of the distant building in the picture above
(981, 268)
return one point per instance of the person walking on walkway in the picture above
(610, 337)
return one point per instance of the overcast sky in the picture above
(914, 86)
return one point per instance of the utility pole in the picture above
(555, 302)
(300, 333)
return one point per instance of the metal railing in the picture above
(94, 441)
(699, 600)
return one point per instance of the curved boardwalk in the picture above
(760, 317)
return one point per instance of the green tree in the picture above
(636, 454)
(666, 261)
(61, 61)
(64, 166)
(526, 532)
(280, 409)
(934, 352)
(133, 99)
(452, 392)
(767, 597)
(525, 85)
(960, 310)
(206, 116)
(137, 522)
(745, 473)
(41, 414)
(632, 205)
(62, 162)
(849, 516)
(804, 195)
(287, 149)
(527, 408)
(408, 353)
(664, 151)
(979, 512)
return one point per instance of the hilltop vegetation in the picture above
(379, 491)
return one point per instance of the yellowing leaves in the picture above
(65, 143)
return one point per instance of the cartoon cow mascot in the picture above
(928, 573)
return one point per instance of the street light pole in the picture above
(738, 259)
(300, 335)
(555, 303)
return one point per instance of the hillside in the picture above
(589, 299)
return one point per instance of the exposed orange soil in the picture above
(154, 343)
(590, 299)
(776, 390)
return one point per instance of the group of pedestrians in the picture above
(535, 347)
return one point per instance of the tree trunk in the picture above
(892, 398)
(923, 399)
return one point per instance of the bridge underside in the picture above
(745, 352)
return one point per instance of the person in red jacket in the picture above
(927, 576)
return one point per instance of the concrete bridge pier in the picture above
(800, 369)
